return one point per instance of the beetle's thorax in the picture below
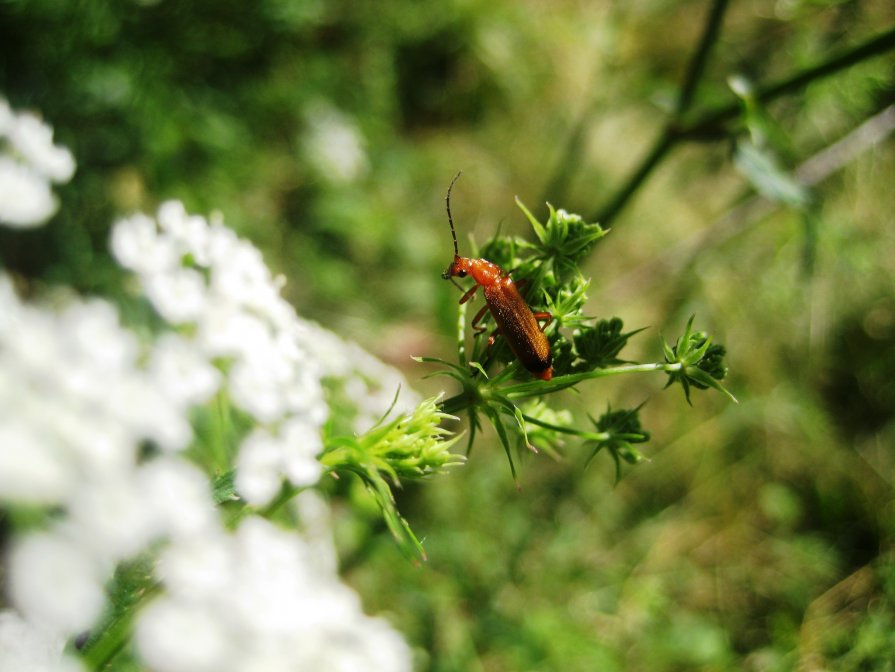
(482, 271)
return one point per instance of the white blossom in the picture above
(34, 140)
(177, 497)
(301, 444)
(28, 166)
(137, 245)
(32, 469)
(178, 295)
(180, 636)
(260, 599)
(94, 422)
(180, 370)
(25, 647)
(264, 458)
(368, 382)
(334, 145)
(259, 467)
(55, 581)
(26, 199)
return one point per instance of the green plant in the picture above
(583, 348)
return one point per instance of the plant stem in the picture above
(696, 67)
(462, 401)
(117, 634)
(710, 124)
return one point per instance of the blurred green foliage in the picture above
(761, 537)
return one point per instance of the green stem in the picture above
(710, 124)
(105, 647)
(696, 67)
(460, 402)
(287, 492)
(591, 436)
(660, 148)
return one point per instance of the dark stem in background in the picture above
(558, 183)
(668, 138)
(710, 124)
(696, 68)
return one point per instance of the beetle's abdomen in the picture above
(518, 325)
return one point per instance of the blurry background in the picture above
(760, 536)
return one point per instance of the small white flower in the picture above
(316, 524)
(301, 443)
(191, 233)
(179, 295)
(257, 385)
(148, 413)
(200, 568)
(173, 636)
(226, 331)
(259, 467)
(26, 199)
(111, 519)
(244, 279)
(27, 648)
(137, 246)
(179, 369)
(34, 140)
(32, 469)
(54, 582)
(221, 242)
(94, 445)
(177, 497)
(267, 599)
(94, 335)
(334, 145)
(272, 582)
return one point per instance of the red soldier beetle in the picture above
(515, 320)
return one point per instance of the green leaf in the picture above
(761, 167)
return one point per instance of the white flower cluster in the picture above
(79, 397)
(93, 424)
(370, 384)
(29, 162)
(75, 407)
(261, 599)
(199, 273)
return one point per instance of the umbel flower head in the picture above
(96, 432)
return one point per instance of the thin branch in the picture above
(660, 148)
(710, 35)
(656, 271)
(695, 70)
(710, 124)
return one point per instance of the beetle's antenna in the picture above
(447, 200)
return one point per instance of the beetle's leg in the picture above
(466, 297)
(547, 317)
(479, 329)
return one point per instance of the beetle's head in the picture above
(459, 268)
